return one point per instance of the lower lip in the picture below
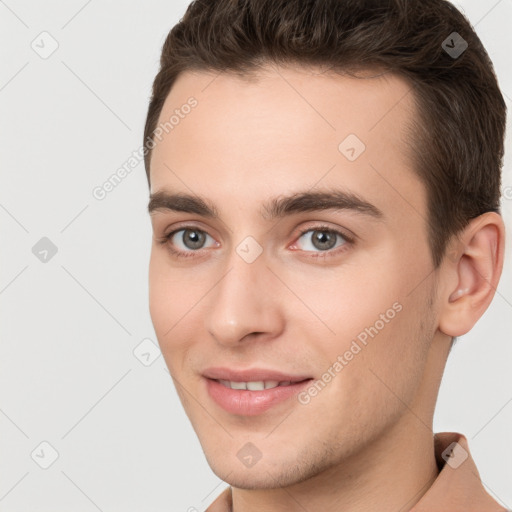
(251, 403)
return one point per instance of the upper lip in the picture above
(251, 375)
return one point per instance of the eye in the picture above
(185, 241)
(321, 239)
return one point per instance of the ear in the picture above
(472, 268)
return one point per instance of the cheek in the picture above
(349, 301)
(174, 296)
(376, 379)
(375, 324)
(170, 290)
(388, 371)
(159, 303)
(168, 298)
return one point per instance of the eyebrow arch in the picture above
(276, 207)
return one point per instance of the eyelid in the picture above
(347, 234)
(191, 224)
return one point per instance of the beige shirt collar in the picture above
(457, 487)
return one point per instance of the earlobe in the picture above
(476, 271)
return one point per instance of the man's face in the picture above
(250, 298)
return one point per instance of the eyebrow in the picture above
(276, 207)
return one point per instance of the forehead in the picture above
(287, 128)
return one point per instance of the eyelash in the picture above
(322, 254)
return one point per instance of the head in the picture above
(332, 189)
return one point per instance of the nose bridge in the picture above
(242, 301)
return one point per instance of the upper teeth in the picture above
(258, 385)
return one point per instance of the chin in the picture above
(252, 479)
(263, 475)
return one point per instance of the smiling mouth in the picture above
(258, 385)
(253, 397)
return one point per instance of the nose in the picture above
(245, 303)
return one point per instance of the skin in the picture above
(366, 438)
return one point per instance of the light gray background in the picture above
(68, 374)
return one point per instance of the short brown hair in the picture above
(458, 135)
